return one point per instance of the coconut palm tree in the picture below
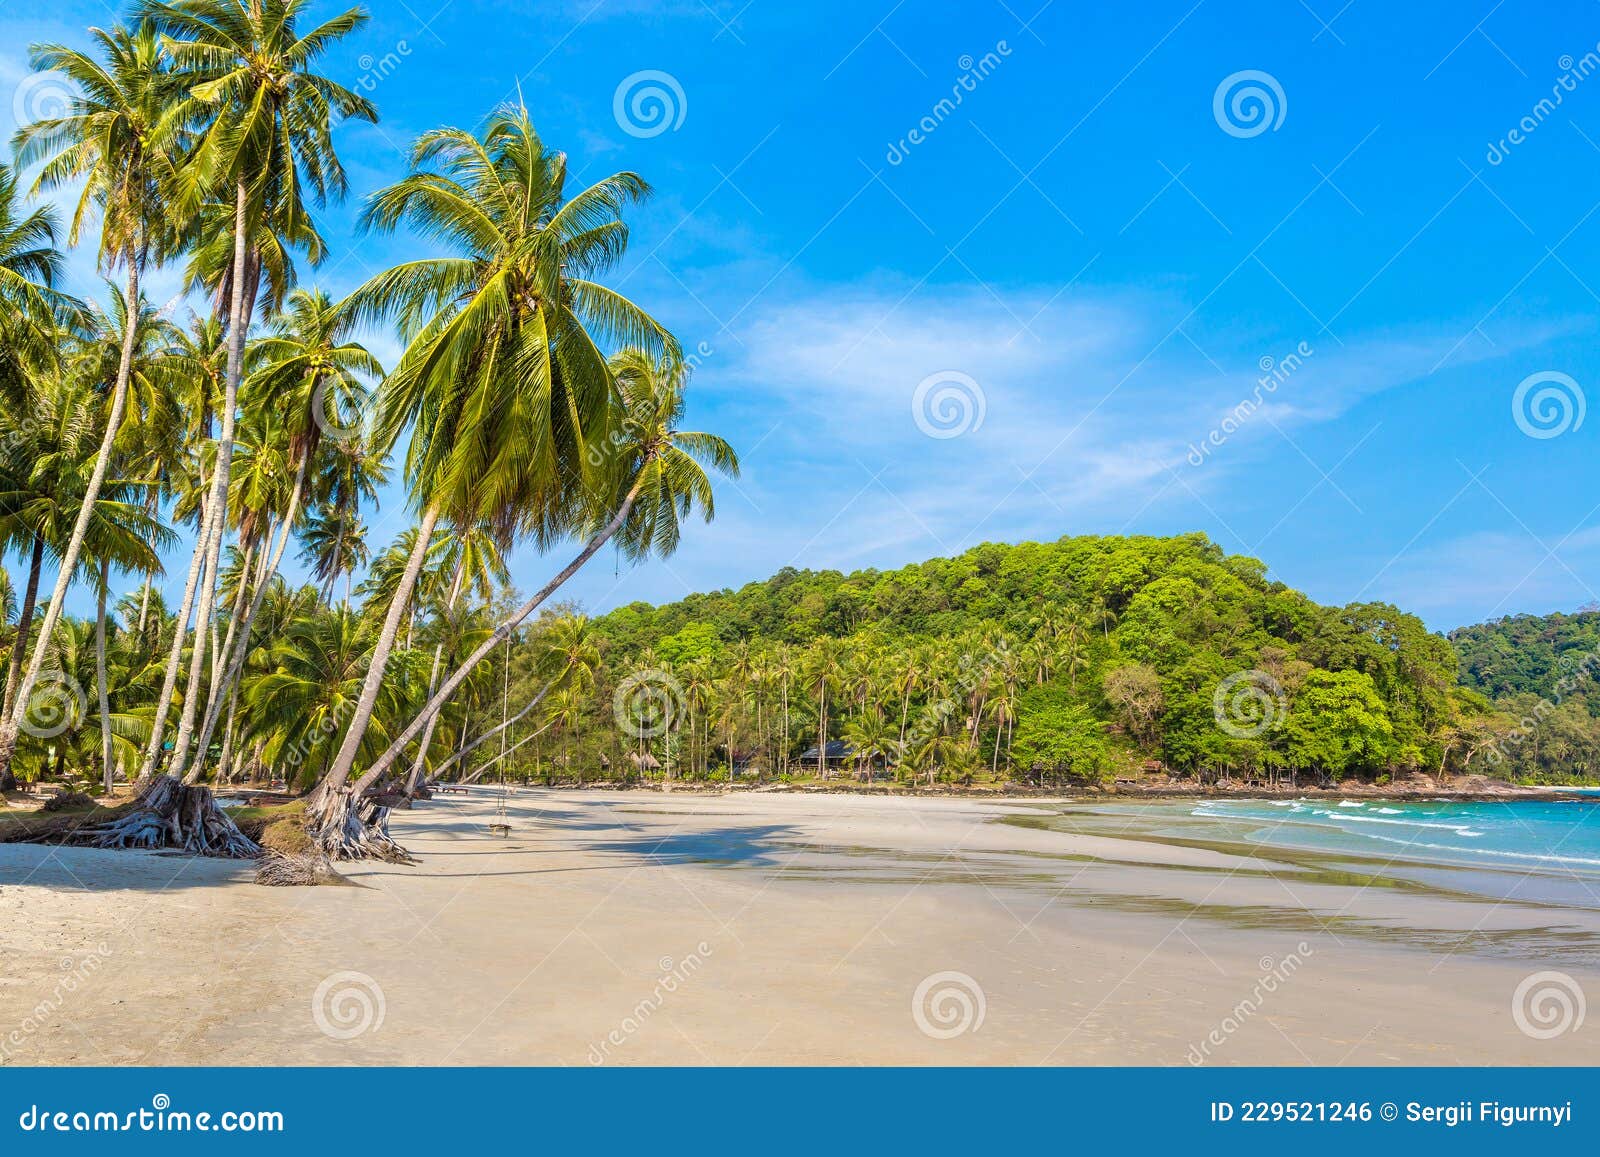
(503, 385)
(821, 667)
(310, 379)
(110, 139)
(30, 306)
(261, 123)
(655, 476)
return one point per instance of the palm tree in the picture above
(46, 453)
(503, 386)
(261, 122)
(309, 379)
(657, 478)
(30, 264)
(821, 668)
(110, 139)
(334, 545)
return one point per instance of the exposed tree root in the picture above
(170, 814)
(342, 828)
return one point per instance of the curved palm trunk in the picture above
(180, 631)
(464, 751)
(478, 774)
(12, 723)
(344, 763)
(219, 483)
(500, 634)
(107, 772)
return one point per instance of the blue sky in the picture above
(1084, 252)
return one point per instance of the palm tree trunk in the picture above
(220, 655)
(344, 763)
(30, 599)
(237, 322)
(419, 766)
(501, 633)
(224, 763)
(106, 770)
(237, 655)
(12, 723)
(466, 749)
(180, 629)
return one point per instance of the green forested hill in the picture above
(1526, 654)
(1085, 656)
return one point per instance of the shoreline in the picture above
(1407, 790)
(814, 919)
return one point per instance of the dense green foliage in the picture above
(1082, 658)
(1540, 671)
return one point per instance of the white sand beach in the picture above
(679, 928)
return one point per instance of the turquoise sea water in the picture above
(1558, 835)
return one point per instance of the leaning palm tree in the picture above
(503, 385)
(261, 124)
(652, 476)
(109, 139)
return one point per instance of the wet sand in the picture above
(650, 928)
